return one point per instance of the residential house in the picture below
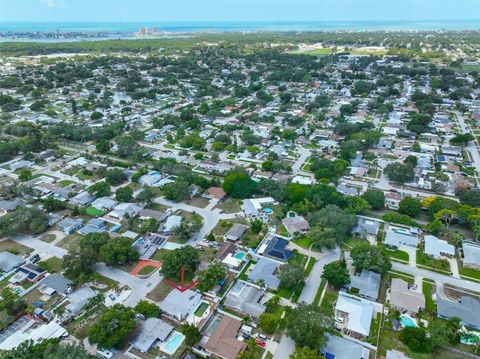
(367, 283)
(178, 305)
(466, 308)
(216, 193)
(95, 225)
(342, 348)
(151, 332)
(56, 283)
(295, 224)
(264, 270)
(438, 248)
(150, 179)
(253, 207)
(392, 200)
(235, 232)
(28, 272)
(223, 341)
(471, 254)
(354, 315)
(125, 209)
(21, 164)
(78, 299)
(70, 225)
(82, 199)
(367, 228)
(171, 223)
(104, 203)
(8, 206)
(245, 298)
(404, 299)
(398, 237)
(224, 249)
(277, 249)
(347, 191)
(9, 261)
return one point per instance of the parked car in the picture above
(260, 342)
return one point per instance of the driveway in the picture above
(285, 348)
(304, 155)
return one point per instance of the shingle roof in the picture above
(402, 297)
(342, 348)
(471, 253)
(178, 304)
(264, 270)
(467, 310)
(223, 340)
(245, 298)
(58, 282)
(9, 261)
(367, 282)
(151, 330)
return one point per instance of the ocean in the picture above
(131, 27)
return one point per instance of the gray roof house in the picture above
(58, 283)
(341, 348)
(171, 223)
(347, 191)
(79, 298)
(264, 270)
(82, 199)
(236, 232)
(70, 225)
(123, 209)
(179, 305)
(368, 284)
(471, 254)
(246, 299)
(438, 248)
(294, 223)
(8, 206)
(467, 310)
(104, 203)
(356, 314)
(151, 331)
(95, 225)
(366, 228)
(9, 261)
(397, 237)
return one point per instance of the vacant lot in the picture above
(199, 202)
(229, 206)
(160, 292)
(14, 247)
(70, 242)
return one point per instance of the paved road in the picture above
(313, 281)
(210, 217)
(437, 277)
(285, 348)
(140, 286)
(304, 155)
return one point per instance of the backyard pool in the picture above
(267, 210)
(407, 321)
(173, 343)
(240, 255)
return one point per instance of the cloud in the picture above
(49, 3)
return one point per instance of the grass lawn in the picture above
(389, 339)
(374, 327)
(207, 255)
(160, 292)
(243, 273)
(298, 259)
(199, 202)
(229, 205)
(70, 242)
(157, 207)
(319, 292)
(257, 352)
(269, 356)
(48, 238)
(201, 309)
(158, 255)
(283, 231)
(427, 292)
(396, 254)
(51, 265)
(14, 247)
(93, 212)
(304, 242)
(441, 265)
(351, 243)
(146, 270)
(5, 319)
(329, 299)
(468, 272)
(222, 227)
(311, 263)
(65, 183)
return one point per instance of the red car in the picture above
(260, 342)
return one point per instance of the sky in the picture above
(237, 10)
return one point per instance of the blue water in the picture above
(240, 255)
(407, 321)
(130, 27)
(174, 343)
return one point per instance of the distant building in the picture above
(10, 261)
(295, 224)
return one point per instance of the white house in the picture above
(438, 248)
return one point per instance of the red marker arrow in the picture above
(182, 288)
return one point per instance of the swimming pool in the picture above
(407, 321)
(268, 210)
(173, 343)
(240, 255)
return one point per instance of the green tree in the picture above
(435, 227)
(323, 237)
(211, 276)
(146, 196)
(50, 204)
(416, 339)
(124, 194)
(47, 349)
(99, 189)
(79, 263)
(192, 334)
(177, 191)
(103, 146)
(256, 226)
(336, 273)
(375, 197)
(25, 174)
(291, 276)
(365, 256)
(268, 322)
(399, 172)
(239, 185)
(334, 217)
(173, 261)
(445, 331)
(115, 176)
(148, 309)
(111, 330)
(118, 250)
(11, 302)
(409, 206)
(307, 325)
(23, 220)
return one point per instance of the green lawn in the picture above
(329, 299)
(51, 265)
(351, 243)
(298, 259)
(427, 292)
(229, 205)
(243, 274)
(283, 231)
(65, 183)
(304, 242)
(374, 327)
(468, 272)
(396, 254)
(93, 212)
(201, 309)
(441, 265)
(146, 270)
(310, 265)
(319, 292)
